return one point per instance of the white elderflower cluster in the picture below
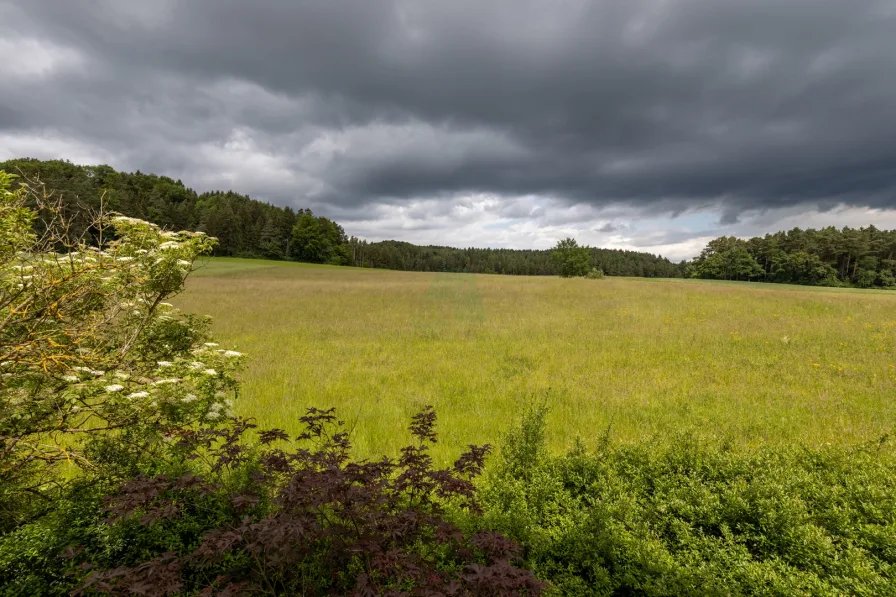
(214, 411)
(102, 332)
(127, 220)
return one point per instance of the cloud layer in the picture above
(640, 123)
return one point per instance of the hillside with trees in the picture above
(249, 228)
(859, 257)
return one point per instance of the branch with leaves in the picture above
(90, 351)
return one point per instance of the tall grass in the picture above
(750, 363)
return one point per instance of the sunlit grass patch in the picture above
(754, 363)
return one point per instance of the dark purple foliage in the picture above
(312, 521)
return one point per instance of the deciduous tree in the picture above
(570, 259)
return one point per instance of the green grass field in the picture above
(750, 363)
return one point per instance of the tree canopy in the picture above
(861, 257)
(570, 259)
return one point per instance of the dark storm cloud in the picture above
(609, 227)
(670, 105)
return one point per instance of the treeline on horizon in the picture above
(250, 228)
(245, 227)
(857, 257)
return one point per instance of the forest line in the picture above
(245, 227)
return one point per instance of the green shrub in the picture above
(96, 369)
(595, 274)
(685, 517)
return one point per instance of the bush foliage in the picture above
(310, 521)
(96, 367)
(690, 518)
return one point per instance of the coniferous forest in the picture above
(246, 227)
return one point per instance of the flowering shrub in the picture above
(96, 369)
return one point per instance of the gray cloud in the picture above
(609, 227)
(658, 106)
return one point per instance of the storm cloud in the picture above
(514, 121)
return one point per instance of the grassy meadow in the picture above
(748, 363)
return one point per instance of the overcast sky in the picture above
(647, 124)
